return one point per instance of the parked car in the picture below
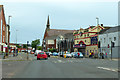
(42, 55)
(68, 55)
(61, 54)
(37, 51)
(72, 54)
(55, 54)
(76, 55)
(48, 54)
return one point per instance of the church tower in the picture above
(48, 24)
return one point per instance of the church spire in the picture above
(48, 23)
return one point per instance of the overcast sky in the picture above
(29, 17)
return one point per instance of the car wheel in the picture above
(46, 58)
(37, 58)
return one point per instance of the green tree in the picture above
(25, 46)
(39, 47)
(18, 46)
(35, 43)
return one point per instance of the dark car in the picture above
(48, 54)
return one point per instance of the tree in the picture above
(39, 47)
(25, 46)
(35, 43)
(18, 46)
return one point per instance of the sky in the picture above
(29, 17)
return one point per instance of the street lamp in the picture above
(8, 32)
(16, 40)
(97, 21)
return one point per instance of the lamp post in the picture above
(27, 50)
(97, 21)
(8, 32)
(16, 41)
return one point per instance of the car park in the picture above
(42, 55)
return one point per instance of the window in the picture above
(85, 35)
(77, 41)
(104, 40)
(88, 35)
(3, 28)
(114, 38)
(40, 53)
(85, 40)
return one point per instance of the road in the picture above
(56, 67)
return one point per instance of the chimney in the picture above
(101, 24)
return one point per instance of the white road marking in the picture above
(59, 60)
(109, 69)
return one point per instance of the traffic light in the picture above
(113, 44)
(99, 44)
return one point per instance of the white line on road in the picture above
(109, 69)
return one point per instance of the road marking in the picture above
(59, 60)
(109, 69)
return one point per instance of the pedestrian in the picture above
(90, 55)
(78, 54)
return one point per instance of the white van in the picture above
(37, 51)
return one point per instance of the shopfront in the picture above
(80, 48)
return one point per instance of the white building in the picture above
(105, 38)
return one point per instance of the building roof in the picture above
(111, 30)
(52, 32)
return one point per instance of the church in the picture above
(59, 39)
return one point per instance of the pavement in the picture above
(21, 56)
(57, 67)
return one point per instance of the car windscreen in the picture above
(40, 53)
(67, 53)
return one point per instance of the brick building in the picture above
(2, 29)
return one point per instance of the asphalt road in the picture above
(60, 68)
